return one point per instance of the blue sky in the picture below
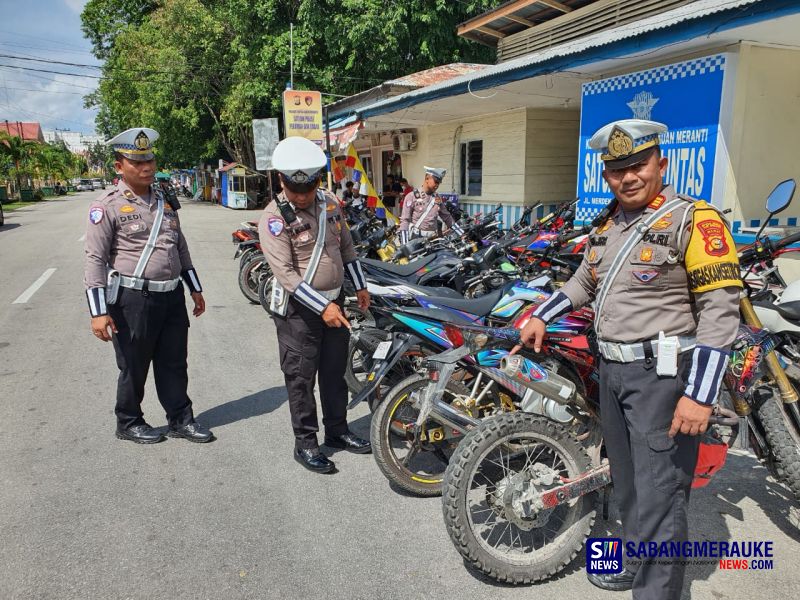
(50, 30)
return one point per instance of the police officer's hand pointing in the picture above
(532, 335)
(102, 327)
(690, 417)
(333, 317)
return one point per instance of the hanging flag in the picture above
(365, 188)
(338, 170)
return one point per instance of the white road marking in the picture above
(27, 294)
(82, 238)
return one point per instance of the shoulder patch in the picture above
(275, 226)
(711, 260)
(96, 214)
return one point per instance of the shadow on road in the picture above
(8, 226)
(254, 405)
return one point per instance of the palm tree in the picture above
(17, 151)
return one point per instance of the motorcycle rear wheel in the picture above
(420, 471)
(489, 464)
(249, 277)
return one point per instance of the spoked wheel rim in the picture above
(498, 480)
(423, 462)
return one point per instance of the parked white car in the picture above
(85, 185)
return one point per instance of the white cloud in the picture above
(76, 5)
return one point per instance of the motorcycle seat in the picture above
(479, 307)
(789, 311)
(399, 270)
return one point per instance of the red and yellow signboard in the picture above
(302, 115)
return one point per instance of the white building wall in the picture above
(765, 130)
(551, 155)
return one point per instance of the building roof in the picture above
(400, 85)
(514, 16)
(31, 131)
(437, 74)
(695, 20)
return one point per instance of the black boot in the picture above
(141, 434)
(349, 442)
(613, 582)
(314, 460)
(193, 431)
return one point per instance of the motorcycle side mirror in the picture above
(781, 196)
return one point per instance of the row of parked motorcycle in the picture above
(512, 442)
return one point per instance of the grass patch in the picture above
(12, 206)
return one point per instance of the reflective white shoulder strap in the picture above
(641, 229)
(428, 209)
(318, 247)
(151, 241)
(280, 299)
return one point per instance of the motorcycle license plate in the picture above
(382, 350)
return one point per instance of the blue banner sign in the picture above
(685, 96)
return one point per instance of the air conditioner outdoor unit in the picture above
(404, 142)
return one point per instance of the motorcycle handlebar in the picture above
(565, 237)
(787, 241)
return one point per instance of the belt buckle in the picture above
(614, 352)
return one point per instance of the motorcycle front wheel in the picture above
(490, 473)
(784, 446)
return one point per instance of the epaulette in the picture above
(111, 195)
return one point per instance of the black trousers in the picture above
(151, 328)
(652, 473)
(311, 350)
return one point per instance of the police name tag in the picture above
(382, 351)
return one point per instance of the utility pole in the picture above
(291, 56)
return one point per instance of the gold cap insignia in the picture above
(620, 144)
(142, 142)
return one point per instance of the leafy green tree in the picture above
(199, 71)
(100, 158)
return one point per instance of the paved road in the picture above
(83, 515)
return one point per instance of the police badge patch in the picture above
(645, 276)
(96, 215)
(275, 225)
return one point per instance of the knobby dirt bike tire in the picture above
(381, 430)
(458, 480)
(249, 286)
(782, 443)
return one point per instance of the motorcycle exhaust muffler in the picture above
(529, 374)
(453, 418)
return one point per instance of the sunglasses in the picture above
(301, 188)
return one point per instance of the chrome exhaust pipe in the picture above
(529, 374)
